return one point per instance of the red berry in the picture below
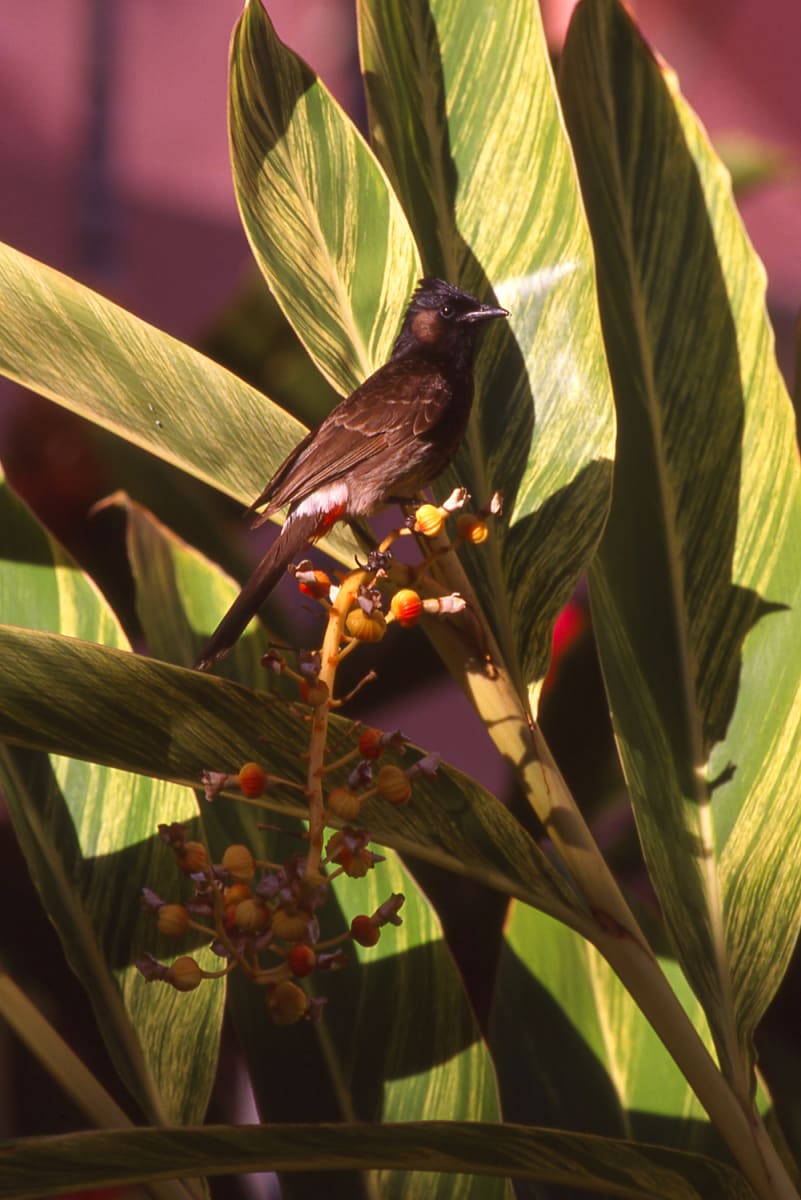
(363, 931)
(406, 607)
(370, 745)
(301, 959)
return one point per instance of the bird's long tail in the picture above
(294, 537)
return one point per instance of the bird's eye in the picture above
(446, 311)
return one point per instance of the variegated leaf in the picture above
(464, 116)
(323, 222)
(696, 592)
(45, 1166)
(89, 837)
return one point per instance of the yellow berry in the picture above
(367, 627)
(429, 520)
(344, 803)
(185, 974)
(239, 864)
(472, 528)
(172, 919)
(252, 916)
(406, 606)
(287, 1003)
(393, 785)
(290, 925)
(252, 780)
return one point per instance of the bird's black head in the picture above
(443, 320)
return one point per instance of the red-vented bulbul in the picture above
(385, 442)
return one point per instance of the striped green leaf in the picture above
(115, 708)
(464, 117)
(573, 1051)
(323, 222)
(72, 345)
(46, 1166)
(696, 592)
(88, 835)
(398, 1042)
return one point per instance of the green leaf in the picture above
(601, 1068)
(88, 837)
(440, 1072)
(323, 222)
(696, 592)
(168, 723)
(46, 1166)
(65, 341)
(464, 117)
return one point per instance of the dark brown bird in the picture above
(385, 442)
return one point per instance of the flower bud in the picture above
(393, 785)
(406, 607)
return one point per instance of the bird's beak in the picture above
(485, 313)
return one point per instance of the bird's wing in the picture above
(402, 400)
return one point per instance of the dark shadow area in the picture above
(549, 1076)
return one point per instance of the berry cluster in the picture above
(260, 916)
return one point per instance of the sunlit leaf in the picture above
(323, 222)
(464, 116)
(88, 835)
(696, 593)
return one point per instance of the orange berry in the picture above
(236, 893)
(316, 584)
(191, 857)
(252, 780)
(429, 520)
(287, 1003)
(344, 803)
(367, 627)
(370, 743)
(472, 528)
(406, 606)
(185, 974)
(301, 959)
(238, 862)
(172, 919)
(393, 785)
(363, 931)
